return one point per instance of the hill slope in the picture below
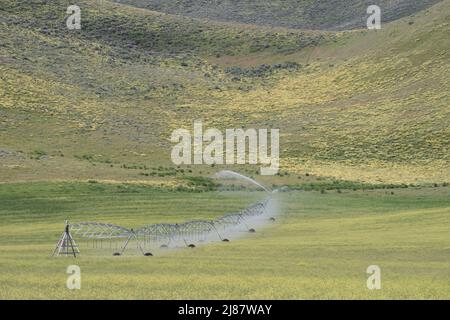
(102, 102)
(304, 14)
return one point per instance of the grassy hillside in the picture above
(304, 14)
(101, 102)
(152, 32)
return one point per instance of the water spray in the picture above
(227, 174)
(189, 233)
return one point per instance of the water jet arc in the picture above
(224, 174)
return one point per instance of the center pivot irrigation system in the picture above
(166, 235)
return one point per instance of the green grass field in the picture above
(319, 247)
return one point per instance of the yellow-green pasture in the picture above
(319, 247)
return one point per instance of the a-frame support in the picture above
(131, 236)
(66, 244)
